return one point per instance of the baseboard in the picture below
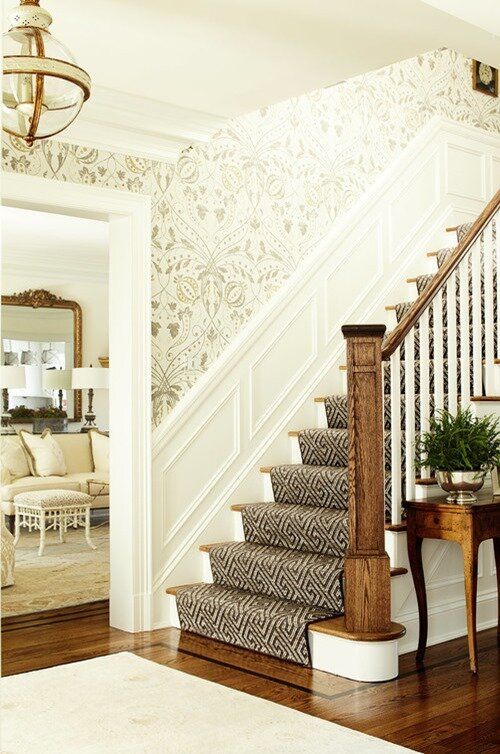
(57, 615)
(447, 621)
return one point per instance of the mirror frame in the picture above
(40, 299)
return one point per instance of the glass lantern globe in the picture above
(43, 89)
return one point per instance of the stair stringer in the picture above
(207, 453)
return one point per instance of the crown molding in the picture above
(118, 122)
(52, 267)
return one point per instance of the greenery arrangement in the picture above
(22, 413)
(459, 443)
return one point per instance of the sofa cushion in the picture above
(13, 457)
(45, 455)
(99, 443)
(31, 483)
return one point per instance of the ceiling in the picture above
(484, 13)
(60, 247)
(228, 57)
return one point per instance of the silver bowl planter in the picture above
(461, 485)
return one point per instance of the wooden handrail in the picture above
(394, 340)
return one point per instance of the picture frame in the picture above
(484, 78)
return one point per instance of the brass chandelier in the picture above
(43, 89)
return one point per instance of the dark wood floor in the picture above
(442, 708)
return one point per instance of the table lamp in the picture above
(11, 377)
(57, 379)
(89, 378)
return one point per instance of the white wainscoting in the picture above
(207, 453)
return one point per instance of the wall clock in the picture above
(484, 78)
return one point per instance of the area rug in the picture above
(123, 703)
(67, 574)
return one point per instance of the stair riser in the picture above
(391, 542)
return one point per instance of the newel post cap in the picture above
(363, 331)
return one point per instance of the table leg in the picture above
(417, 571)
(87, 530)
(496, 546)
(42, 534)
(470, 552)
(17, 528)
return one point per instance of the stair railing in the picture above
(466, 289)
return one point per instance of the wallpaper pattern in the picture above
(233, 218)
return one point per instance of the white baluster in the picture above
(465, 334)
(410, 414)
(396, 437)
(489, 343)
(437, 316)
(477, 356)
(496, 257)
(424, 378)
(451, 308)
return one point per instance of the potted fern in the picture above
(461, 449)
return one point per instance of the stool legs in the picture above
(42, 534)
(17, 528)
(87, 530)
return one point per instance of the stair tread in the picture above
(254, 621)
(297, 527)
(300, 557)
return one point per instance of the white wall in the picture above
(207, 455)
(93, 298)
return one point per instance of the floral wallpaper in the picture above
(235, 217)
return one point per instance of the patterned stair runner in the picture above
(288, 572)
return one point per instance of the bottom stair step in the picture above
(260, 623)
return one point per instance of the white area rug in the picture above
(123, 704)
(67, 574)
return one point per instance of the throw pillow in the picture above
(13, 458)
(99, 443)
(44, 452)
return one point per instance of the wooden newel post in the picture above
(367, 568)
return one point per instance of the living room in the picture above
(250, 322)
(54, 328)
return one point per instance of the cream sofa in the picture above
(79, 469)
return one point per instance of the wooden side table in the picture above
(469, 525)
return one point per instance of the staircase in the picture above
(312, 560)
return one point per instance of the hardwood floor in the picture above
(442, 708)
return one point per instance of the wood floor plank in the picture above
(436, 710)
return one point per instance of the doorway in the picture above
(129, 221)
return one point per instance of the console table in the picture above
(469, 525)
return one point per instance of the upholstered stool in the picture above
(43, 510)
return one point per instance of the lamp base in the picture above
(6, 427)
(89, 423)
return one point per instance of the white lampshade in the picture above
(90, 377)
(57, 379)
(13, 377)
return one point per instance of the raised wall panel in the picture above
(495, 167)
(199, 464)
(413, 206)
(465, 174)
(348, 283)
(277, 370)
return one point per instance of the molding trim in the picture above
(123, 123)
(85, 267)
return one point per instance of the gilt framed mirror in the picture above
(42, 331)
